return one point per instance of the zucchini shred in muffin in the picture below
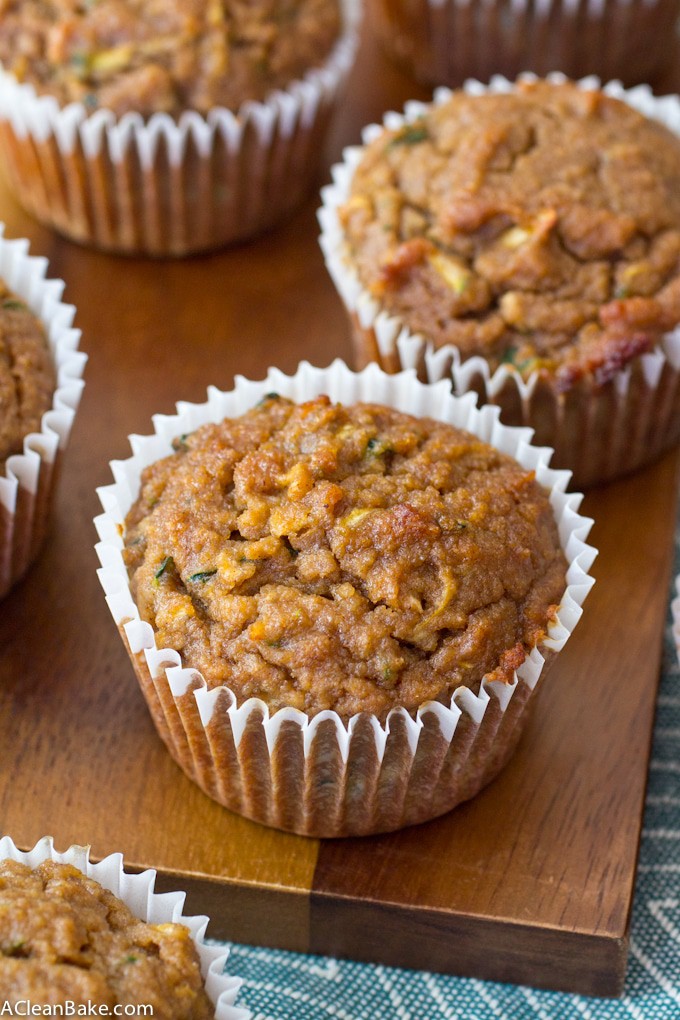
(535, 228)
(64, 938)
(355, 559)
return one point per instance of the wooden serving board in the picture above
(532, 881)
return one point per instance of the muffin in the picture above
(40, 388)
(68, 937)
(358, 599)
(444, 42)
(525, 240)
(168, 127)
(164, 55)
(28, 375)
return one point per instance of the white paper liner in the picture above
(166, 187)
(137, 892)
(184, 709)
(675, 613)
(443, 42)
(598, 433)
(27, 484)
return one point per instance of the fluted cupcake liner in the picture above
(171, 187)
(443, 42)
(137, 892)
(598, 431)
(675, 614)
(28, 482)
(319, 776)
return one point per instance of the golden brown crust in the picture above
(64, 938)
(164, 55)
(539, 228)
(352, 558)
(27, 373)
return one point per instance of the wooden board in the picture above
(532, 881)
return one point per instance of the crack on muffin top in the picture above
(539, 228)
(347, 557)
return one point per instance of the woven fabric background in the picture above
(287, 986)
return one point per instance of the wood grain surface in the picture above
(530, 882)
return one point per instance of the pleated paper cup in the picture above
(598, 431)
(675, 614)
(137, 893)
(325, 776)
(164, 187)
(28, 482)
(443, 42)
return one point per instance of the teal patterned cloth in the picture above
(287, 986)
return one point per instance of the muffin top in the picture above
(64, 938)
(353, 558)
(539, 228)
(164, 55)
(27, 373)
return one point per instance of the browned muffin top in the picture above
(351, 558)
(539, 228)
(64, 938)
(27, 373)
(164, 55)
